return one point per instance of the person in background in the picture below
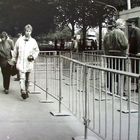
(74, 44)
(55, 44)
(115, 44)
(93, 45)
(62, 44)
(25, 52)
(6, 45)
(134, 47)
(19, 35)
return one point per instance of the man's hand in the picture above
(11, 62)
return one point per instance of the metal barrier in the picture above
(129, 64)
(84, 90)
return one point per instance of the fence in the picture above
(84, 90)
(129, 64)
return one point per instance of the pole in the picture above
(128, 4)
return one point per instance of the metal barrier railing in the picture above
(129, 64)
(84, 90)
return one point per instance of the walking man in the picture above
(6, 45)
(25, 52)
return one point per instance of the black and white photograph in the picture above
(69, 69)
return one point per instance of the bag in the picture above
(13, 70)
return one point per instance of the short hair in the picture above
(28, 26)
(120, 23)
(4, 34)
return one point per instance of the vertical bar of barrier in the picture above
(71, 56)
(113, 100)
(60, 113)
(100, 84)
(46, 87)
(86, 120)
(35, 69)
(106, 74)
(120, 132)
(129, 108)
(138, 138)
(60, 83)
(94, 91)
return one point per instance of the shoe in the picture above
(16, 79)
(27, 94)
(23, 95)
(6, 91)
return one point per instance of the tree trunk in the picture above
(73, 29)
(84, 37)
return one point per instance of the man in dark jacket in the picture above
(134, 40)
(115, 44)
(134, 47)
(6, 45)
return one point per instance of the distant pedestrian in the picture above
(134, 47)
(74, 44)
(62, 44)
(116, 44)
(17, 37)
(25, 52)
(134, 39)
(93, 45)
(6, 45)
(117, 41)
(55, 44)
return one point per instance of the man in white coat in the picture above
(25, 52)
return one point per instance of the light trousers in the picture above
(24, 81)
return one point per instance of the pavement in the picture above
(30, 119)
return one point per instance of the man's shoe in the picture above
(27, 94)
(16, 79)
(6, 91)
(23, 95)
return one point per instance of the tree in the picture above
(15, 14)
(67, 13)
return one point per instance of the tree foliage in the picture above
(14, 14)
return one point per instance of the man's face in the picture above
(28, 32)
(3, 38)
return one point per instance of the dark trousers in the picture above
(117, 65)
(135, 69)
(6, 76)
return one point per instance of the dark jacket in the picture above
(115, 43)
(134, 41)
(5, 52)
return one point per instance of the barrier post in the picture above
(46, 80)
(60, 113)
(138, 109)
(34, 82)
(86, 120)
(71, 56)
